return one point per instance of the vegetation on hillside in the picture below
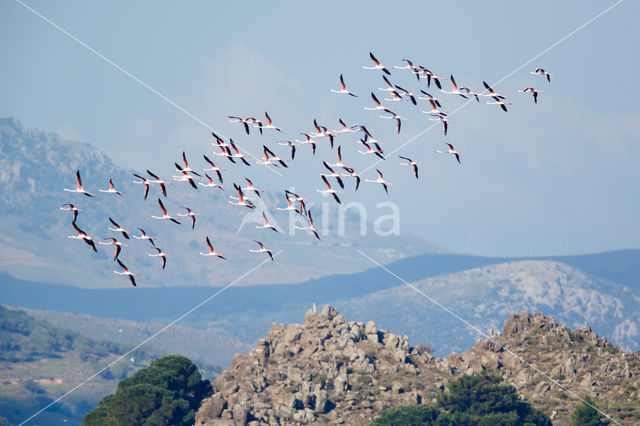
(471, 400)
(169, 391)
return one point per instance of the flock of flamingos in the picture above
(335, 172)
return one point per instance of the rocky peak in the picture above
(332, 371)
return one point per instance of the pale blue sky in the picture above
(557, 177)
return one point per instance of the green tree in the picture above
(168, 392)
(484, 400)
(587, 415)
(413, 415)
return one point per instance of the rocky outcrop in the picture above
(332, 371)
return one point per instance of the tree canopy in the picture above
(471, 400)
(587, 415)
(168, 392)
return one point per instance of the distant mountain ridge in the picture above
(35, 166)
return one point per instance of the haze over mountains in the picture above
(35, 166)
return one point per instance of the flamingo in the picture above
(332, 174)
(451, 151)
(430, 97)
(72, 208)
(381, 181)
(237, 153)
(266, 225)
(309, 226)
(111, 190)
(540, 71)
(352, 173)
(396, 97)
(211, 183)
(160, 182)
(468, 92)
(434, 110)
(534, 93)
(127, 272)
(378, 151)
(212, 251)
(165, 216)
(344, 128)
(269, 124)
(145, 182)
(445, 122)
(500, 102)
(289, 207)
(377, 66)
(219, 140)
(308, 141)
(377, 102)
(250, 187)
(262, 250)
(322, 132)
(338, 162)
(290, 144)
(343, 88)
(116, 243)
(224, 152)
(83, 236)
(492, 93)
(191, 214)
(430, 76)
(185, 177)
(409, 66)
(411, 96)
(79, 189)
(242, 201)
(270, 158)
(394, 116)
(144, 236)
(161, 254)
(455, 90)
(245, 121)
(411, 163)
(330, 190)
(389, 87)
(118, 228)
(213, 168)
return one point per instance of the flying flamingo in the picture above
(289, 207)
(161, 182)
(339, 162)
(242, 201)
(352, 173)
(329, 190)
(290, 144)
(111, 190)
(250, 187)
(116, 243)
(394, 116)
(191, 214)
(127, 272)
(498, 101)
(269, 124)
(451, 151)
(540, 71)
(332, 174)
(161, 254)
(82, 236)
(443, 120)
(410, 163)
(343, 88)
(455, 90)
(211, 183)
(381, 181)
(213, 168)
(79, 189)
(308, 141)
(378, 151)
(377, 102)
(411, 96)
(430, 97)
(212, 251)
(377, 66)
(429, 76)
(118, 228)
(534, 93)
(434, 110)
(145, 182)
(165, 216)
(309, 226)
(72, 208)
(266, 225)
(245, 121)
(186, 167)
(144, 236)
(389, 87)
(344, 128)
(262, 250)
(237, 153)
(492, 93)
(185, 177)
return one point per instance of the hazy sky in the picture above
(553, 178)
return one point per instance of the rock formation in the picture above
(332, 371)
